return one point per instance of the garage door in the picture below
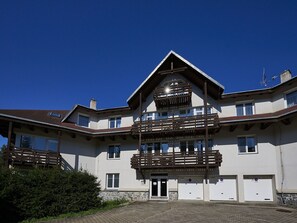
(258, 189)
(190, 189)
(223, 189)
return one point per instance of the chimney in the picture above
(285, 76)
(93, 104)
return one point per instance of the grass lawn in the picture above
(105, 206)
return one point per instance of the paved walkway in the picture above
(158, 212)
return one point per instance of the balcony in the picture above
(177, 160)
(175, 95)
(30, 157)
(176, 126)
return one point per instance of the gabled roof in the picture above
(192, 73)
(43, 118)
(111, 111)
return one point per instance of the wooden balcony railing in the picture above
(173, 95)
(175, 126)
(25, 156)
(176, 160)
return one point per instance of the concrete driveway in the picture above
(156, 212)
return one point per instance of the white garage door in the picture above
(190, 189)
(223, 189)
(258, 189)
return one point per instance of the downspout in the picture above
(206, 130)
(139, 136)
(281, 163)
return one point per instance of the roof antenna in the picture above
(264, 78)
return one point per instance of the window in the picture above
(26, 142)
(115, 122)
(156, 147)
(83, 120)
(247, 144)
(165, 147)
(291, 99)
(200, 110)
(114, 151)
(201, 145)
(184, 112)
(38, 143)
(244, 109)
(162, 115)
(113, 180)
(143, 148)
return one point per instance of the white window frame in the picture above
(77, 123)
(246, 146)
(113, 158)
(243, 103)
(201, 110)
(285, 96)
(115, 122)
(113, 178)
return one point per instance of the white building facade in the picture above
(155, 148)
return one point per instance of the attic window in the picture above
(54, 115)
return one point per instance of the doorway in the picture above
(159, 189)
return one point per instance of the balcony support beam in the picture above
(8, 144)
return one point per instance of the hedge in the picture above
(36, 193)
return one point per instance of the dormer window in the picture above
(115, 122)
(83, 120)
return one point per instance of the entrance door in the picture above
(163, 187)
(154, 187)
(159, 188)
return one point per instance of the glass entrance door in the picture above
(159, 188)
(154, 187)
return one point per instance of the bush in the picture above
(37, 193)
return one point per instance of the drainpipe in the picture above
(206, 130)
(281, 163)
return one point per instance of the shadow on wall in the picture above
(66, 166)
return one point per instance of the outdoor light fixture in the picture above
(167, 90)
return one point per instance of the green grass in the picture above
(105, 206)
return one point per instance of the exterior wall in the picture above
(128, 179)
(235, 163)
(78, 153)
(286, 148)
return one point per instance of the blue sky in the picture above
(55, 54)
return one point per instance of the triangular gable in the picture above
(188, 70)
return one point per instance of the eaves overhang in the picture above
(77, 129)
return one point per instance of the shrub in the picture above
(37, 193)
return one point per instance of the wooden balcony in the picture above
(30, 157)
(176, 95)
(177, 160)
(180, 126)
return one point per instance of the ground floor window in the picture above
(113, 180)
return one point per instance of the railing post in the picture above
(8, 144)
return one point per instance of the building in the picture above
(155, 148)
